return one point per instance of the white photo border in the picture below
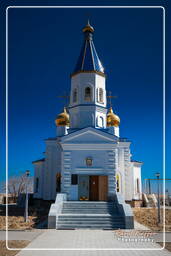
(164, 165)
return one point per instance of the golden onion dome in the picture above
(112, 119)
(88, 28)
(62, 119)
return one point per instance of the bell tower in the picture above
(88, 87)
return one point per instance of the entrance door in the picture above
(94, 188)
(103, 188)
(83, 187)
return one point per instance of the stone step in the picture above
(113, 217)
(90, 222)
(89, 210)
(90, 215)
(88, 226)
(90, 204)
(116, 218)
(89, 207)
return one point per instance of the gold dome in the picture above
(88, 27)
(112, 119)
(62, 119)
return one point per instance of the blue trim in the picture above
(88, 105)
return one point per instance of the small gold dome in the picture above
(62, 119)
(112, 119)
(88, 27)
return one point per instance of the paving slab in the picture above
(98, 240)
(20, 235)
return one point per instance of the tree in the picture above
(17, 185)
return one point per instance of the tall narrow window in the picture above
(58, 182)
(97, 94)
(87, 96)
(75, 94)
(117, 183)
(37, 184)
(101, 95)
(138, 186)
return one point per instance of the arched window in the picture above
(99, 121)
(118, 185)
(87, 96)
(137, 186)
(101, 95)
(75, 94)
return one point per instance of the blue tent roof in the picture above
(88, 59)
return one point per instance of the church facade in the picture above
(88, 160)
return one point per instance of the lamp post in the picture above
(158, 191)
(26, 201)
(166, 200)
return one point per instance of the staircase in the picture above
(90, 215)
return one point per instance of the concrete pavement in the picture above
(20, 235)
(84, 239)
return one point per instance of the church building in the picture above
(87, 160)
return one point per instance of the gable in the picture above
(89, 136)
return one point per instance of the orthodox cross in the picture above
(88, 18)
(66, 97)
(110, 97)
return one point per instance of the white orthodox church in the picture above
(87, 160)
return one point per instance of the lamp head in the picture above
(27, 173)
(157, 174)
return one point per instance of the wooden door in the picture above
(103, 188)
(94, 188)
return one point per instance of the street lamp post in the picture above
(158, 191)
(26, 201)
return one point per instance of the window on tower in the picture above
(87, 96)
(97, 94)
(101, 95)
(75, 95)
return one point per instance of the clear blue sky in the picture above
(44, 45)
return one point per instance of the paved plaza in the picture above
(87, 240)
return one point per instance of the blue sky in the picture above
(44, 45)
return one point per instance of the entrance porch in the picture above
(92, 187)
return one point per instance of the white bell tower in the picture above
(88, 90)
